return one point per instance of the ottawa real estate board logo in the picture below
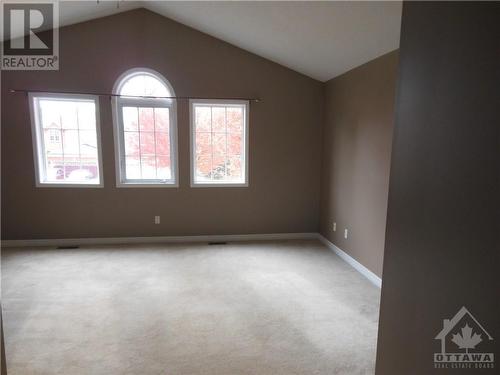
(459, 338)
(30, 35)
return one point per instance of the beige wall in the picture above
(285, 131)
(359, 110)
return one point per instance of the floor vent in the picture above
(68, 247)
(217, 243)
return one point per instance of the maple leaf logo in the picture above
(466, 340)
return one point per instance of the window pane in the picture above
(130, 119)
(88, 143)
(55, 171)
(219, 134)
(234, 168)
(218, 171)
(203, 119)
(162, 119)
(52, 140)
(203, 167)
(70, 154)
(71, 150)
(153, 87)
(148, 167)
(147, 143)
(132, 167)
(90, 170)
(86, 173)
(218, 119)
(67, 169)
(68, 114)
(234, 144)
(86, 116)
(234, 120)
(219, 143)
(144, 85)
(162, 143)
(54, 161)
(146, 119)
(131, 142)
(163, 167)
(50, 115)
(71, 145)
(204, 144)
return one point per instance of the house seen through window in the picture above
(66, 139)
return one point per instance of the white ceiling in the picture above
(321, 39)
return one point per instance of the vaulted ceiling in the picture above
(319, 39)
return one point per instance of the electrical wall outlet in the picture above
(157, 220)
(334, 226)
(346, 232)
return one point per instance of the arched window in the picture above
(145, 130)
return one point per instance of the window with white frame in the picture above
(219, 143)
(145, 130)
(66, 139)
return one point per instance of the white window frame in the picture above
(37, 138)
(222, 103)
(117, 103)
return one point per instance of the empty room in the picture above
(250, 187)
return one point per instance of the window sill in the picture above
(146, 185)
(219, 185)
(67, 185)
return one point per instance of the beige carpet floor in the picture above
(260, 308)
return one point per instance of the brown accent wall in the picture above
(359, 110)
(442, 247)
(285, 132)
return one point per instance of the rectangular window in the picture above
(147, 144)
(66, 140)
(219, 143)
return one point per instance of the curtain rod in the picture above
(256, 100)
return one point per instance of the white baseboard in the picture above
(353, 262)
(158, 239)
